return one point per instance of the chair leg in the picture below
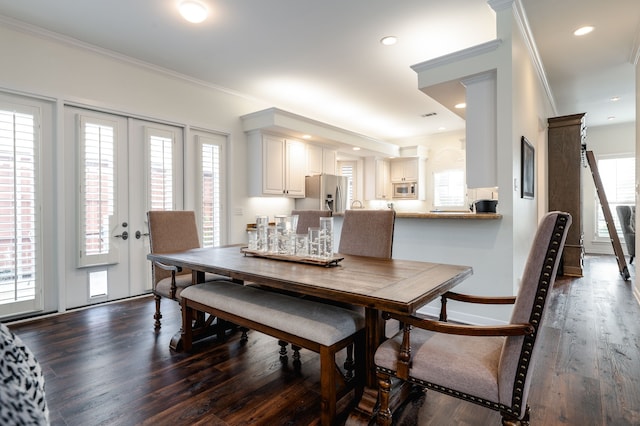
(510, 420)
(384, 387)
(157, 315)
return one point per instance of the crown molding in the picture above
(470, 52)
(522, 22)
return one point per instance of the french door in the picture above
(123, 168)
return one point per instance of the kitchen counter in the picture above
(444, 215)
(449, 215)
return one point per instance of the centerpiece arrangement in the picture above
(281, 241)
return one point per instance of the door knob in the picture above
(124, 235)
(140, 234)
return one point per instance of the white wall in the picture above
(603, 141)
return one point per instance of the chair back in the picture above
(538, 277)
(171, 232)
(368, 233)
(309, 219)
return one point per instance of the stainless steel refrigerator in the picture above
(324, 192)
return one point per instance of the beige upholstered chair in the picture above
(487, 365)
(309, 218)
(367, 233)
(172, 232)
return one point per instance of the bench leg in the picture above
(327, 385)
(296, 356)
(283, 350)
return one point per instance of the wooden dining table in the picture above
(378, 285)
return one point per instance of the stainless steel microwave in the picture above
(405, 191)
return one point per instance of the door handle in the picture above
(140, 234)
(124, 235)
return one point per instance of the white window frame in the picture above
(34, 108)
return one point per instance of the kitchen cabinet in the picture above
(377, 179)
(320, 160)
(404, 170)
(276, 165)
(566, 135)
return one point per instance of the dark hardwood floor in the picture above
(106, 366)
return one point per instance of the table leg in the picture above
(366, 408)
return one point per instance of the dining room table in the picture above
(377, 285)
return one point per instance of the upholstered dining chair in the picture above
(368, 233)
(309, 218)
(172, 232)
(627, 217)
(487, 365)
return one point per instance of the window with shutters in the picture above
(618, 179)
(160, 174)
(19, 233)
(347, 168)
(97, 190)
(211, 191)
(448, 188)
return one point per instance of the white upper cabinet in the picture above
(320, 160)
(404, 170)
(276, 165)
(377, 179)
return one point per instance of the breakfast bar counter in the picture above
(449, 215)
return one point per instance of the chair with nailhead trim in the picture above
(487, 365)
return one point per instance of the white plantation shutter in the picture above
(347, 168)
(211, 206)
(97, 191)
(19, 233)
(448, 188)
(618, 179)
(160, 171)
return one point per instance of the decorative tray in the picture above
(331, 261)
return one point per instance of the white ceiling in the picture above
(323, 60)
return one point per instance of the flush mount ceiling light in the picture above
(389, 40)
(615, 99)
(583, 30)
(193, 11)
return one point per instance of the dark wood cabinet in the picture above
(566, 137)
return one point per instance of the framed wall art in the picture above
(527, 167)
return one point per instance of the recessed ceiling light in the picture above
(442, 128)
(614, 98)
(611, 118)
(460, 105)
(193, 11)
(306, 136)
(389, 40)
(356, 148)
(583, 30)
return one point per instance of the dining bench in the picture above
(322, 328)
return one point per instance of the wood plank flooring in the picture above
(106, 366)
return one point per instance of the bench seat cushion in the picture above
(320, 323)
